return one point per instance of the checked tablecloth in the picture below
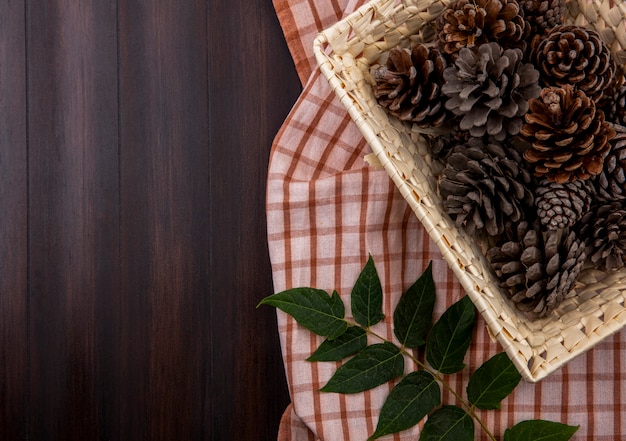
(327, 210)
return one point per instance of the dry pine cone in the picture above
(610, 184)
(614, 102)
(490, 89)
(536, 269)
(569, 138)
(468, 24)
(604, 230)
(562, 205)
(575, 55)
(543, 15)
(484, 186)
(409, 85)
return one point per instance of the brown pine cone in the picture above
(537, 269)
(613, 103)
(569, 137)
(543, 15)
(610, 184)
(409, 85)
(562, 205)
(484, 186)
(441, 145)
(490, 88)
(565, 257)
(616, 110)
(575, 55)
(468, 23)
(518, 264)
(604, 230)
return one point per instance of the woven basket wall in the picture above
(595, 308)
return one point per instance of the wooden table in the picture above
(134, 143)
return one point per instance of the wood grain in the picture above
(13, 224)
(73, 215)
(257, 95)
(133, 159)
(164, 213)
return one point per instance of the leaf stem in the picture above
(470, 408)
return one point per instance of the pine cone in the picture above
(536, 269)
(518, 264)
(409, 85)
(562, 205)
(441, 145)
(610, 184)
(569, 137)
(484, 186)
(543, 15)
(575, 55)
(604, 230)
(468, 23)
(490, 89)
(616, 111)
(614, 102)
(565, 257)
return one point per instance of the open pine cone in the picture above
(562, 205)
(468, 24)
(575, 55)
(569, 137)
(484, 186)
(537, 269)
(490, 88)
(565, 257)
(604, 230)
(518, 264)
(409, 85)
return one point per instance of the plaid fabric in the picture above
(327, 210)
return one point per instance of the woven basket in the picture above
(595, 308)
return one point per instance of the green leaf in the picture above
(367, 296)
(450, 423)
(448, 340)
(539, 430)
(414, 313)
(411, 400)
(313, 309)
(373, 366)
(493, 381)
(348, 343)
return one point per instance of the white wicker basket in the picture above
(595, 309)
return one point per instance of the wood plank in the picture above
(73, 216)
(13, 230)
(164, 210)
(142, 321)
(253, 85)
